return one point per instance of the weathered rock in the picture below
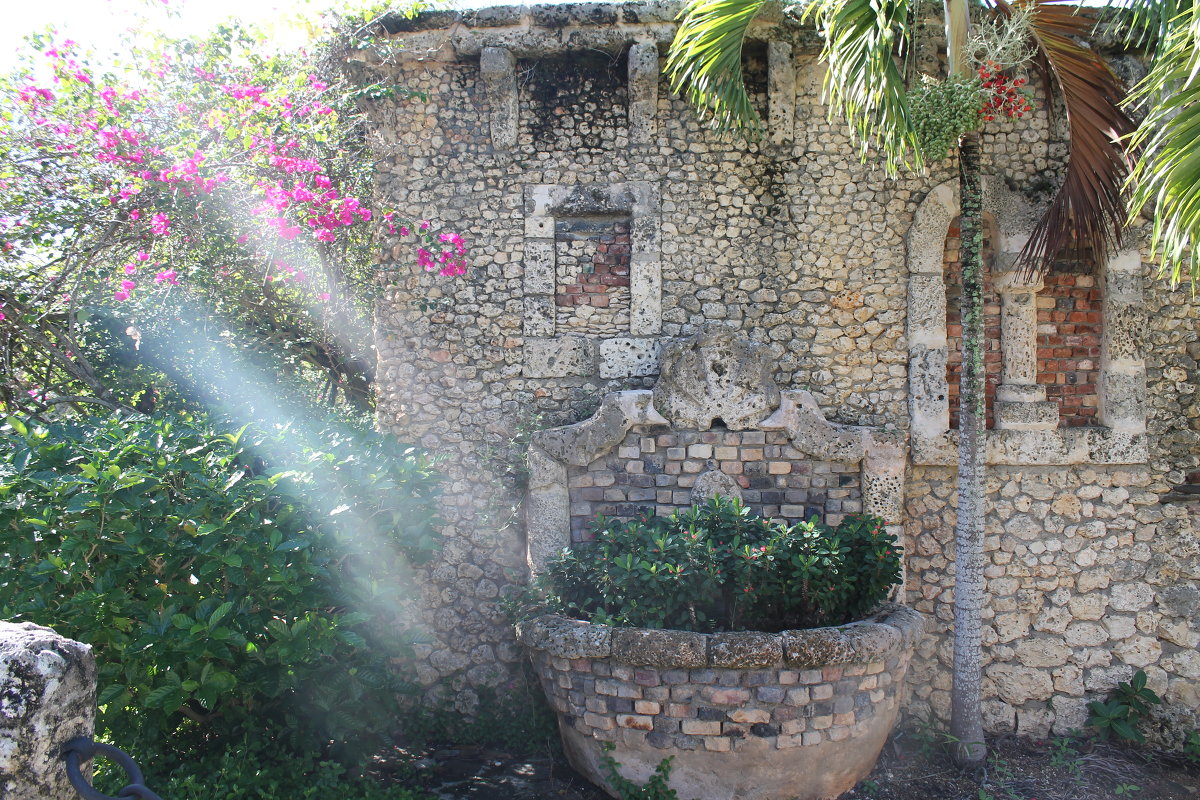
(47, 697)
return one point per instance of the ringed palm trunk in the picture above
(966, 716)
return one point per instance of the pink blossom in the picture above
(424, 226)
(128, 285)
(166, 276)
(142, 255)
(120, 295)
(130, 269)
(324, 295)
(425, 259)
(161, 225)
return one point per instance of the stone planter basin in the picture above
(763, 716)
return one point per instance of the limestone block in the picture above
(929, 403)
(744, 649)
(565, 638)
(645, 294)
(927, 311)
(643, 93)
(660, 648)
(498, 69)
(716, 374)
(1017, 684)
(1122, 398)
(47, 697)
(559, 358)
(547, 510)
(539, 316)
(539, 266)
(625, 357)
(1027, 416)
(781, 92)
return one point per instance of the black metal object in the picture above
(81, 748)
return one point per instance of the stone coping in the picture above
(885, 633)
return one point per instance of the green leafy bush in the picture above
(1123, 709)
(718, 567)
(227, 581)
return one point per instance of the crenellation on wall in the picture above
(840, 273)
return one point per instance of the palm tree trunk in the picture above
(966, 714)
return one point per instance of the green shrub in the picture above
(718, 567)
(226, 581)
(1123, 709)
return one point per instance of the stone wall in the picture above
(513, 136)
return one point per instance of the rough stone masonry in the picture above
(545, 133)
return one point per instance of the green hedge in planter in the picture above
(717, 567)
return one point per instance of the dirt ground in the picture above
(913, 766)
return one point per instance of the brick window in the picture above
(1068, 342)
(592, 274)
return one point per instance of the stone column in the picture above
(47, 697)
(1021, 404)
(781, 93)
(1122, 389)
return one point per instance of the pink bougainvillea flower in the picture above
(324, 295)
(130, 269)
(128, 285)
(424, 226)
(120, 295)
(142, 255)
(425, 259)
(166, 276)
(160, 224)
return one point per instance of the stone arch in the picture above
(1031, 435)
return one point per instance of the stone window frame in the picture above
(1027, 432)
(549, 356)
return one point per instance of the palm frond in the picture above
(1148, 23)
(864, 83)
(704, 62)
(1089, 207)
(1167, 175)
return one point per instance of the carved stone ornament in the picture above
(717, 374)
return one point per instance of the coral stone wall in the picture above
(657, 471)
(522, 118)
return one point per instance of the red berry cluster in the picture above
(1003, 95)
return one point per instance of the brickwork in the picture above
(1068, 339)
(718, 709)
(592, 265)
(658, 470)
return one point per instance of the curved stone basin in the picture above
(761, 716)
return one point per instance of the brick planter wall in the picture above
(798, 714)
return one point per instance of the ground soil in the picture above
(914, 765)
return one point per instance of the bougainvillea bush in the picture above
(201, 187)
(718, 567)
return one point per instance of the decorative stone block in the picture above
(539, 316)
(627, 358)
(498, 69)
(643, 92)
(1041, 416)
(539, 266)
(559, 358)
(781, 92)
